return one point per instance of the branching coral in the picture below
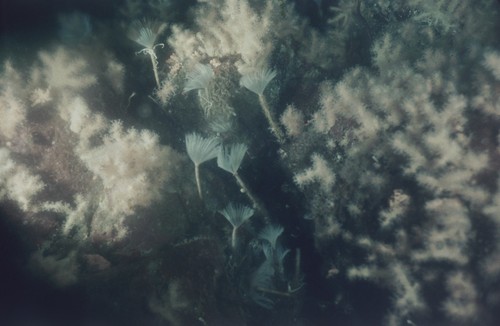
(402, 139)
(100, 173)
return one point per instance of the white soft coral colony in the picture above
(62, 71)
(108, 171)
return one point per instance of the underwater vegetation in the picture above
(346, 162)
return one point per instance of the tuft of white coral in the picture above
(132, 167)
(12, 113)
(408, 297)
(63, 70)
(492, 63)
(81, 120)
(240, 30)
(115, 74)
(293, 121)
(447, 238)
(461, 304)
(319, 173)
(398, 207)
(17, 182)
